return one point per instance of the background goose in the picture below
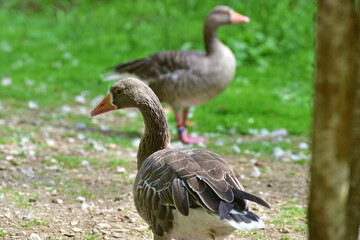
(189, 78)
(181, 193)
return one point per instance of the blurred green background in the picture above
(55, 50)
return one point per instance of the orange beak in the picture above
(238, 18)
(103, 107)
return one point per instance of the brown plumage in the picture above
(180, 193)
(190, 78)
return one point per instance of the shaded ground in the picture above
(64, 176)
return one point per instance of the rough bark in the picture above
(334, 124)
(354, 191)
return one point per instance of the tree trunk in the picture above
(335, 130)
(354, 191)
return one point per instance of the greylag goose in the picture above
(189, 78)
(181, 193)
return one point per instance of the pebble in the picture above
(84, 163)
(80, 125)
(84, 206)
(303, 146)
(35, 236)
(220, 142)
(14, 162)
(80, 99)
(67, 234)
(33, 105)
(66, 109)
(77, 229)
(255, 172)
(120, 169)
(73, 223)
(52, 168)
(3, 167)
(117, 235)
(6, 81)
(57, 200)
(284, 230)
(235, 148)
(135, 142)
(103, 226)
(80, 199)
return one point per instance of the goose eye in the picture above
(118, 91)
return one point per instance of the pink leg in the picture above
(182, 130)
(185, 116)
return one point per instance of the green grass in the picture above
(34, 222)
(292, 217)
(251, 233)
(16, 197)
(63, 46)
(118, 162)
(92, 237)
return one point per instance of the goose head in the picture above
(222, 15)
(126, 93)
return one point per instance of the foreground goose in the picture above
(189, 78)
(181, 193)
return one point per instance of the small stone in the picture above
(33, 105)
(77, 229)
(253, 161)
(50, 142)
(54, 192)
(284, 230)
(80, 199)
(80, 99)
(80, 125)
(303, 146)
(6, 81)
(14, 162)
(103, 226)
(73, 223)
(255, 172)
(135, 142)
(235, 148)
(3, 167)
(84, 163)
(35, 236)
(117, 235)
(120, 169)
(69, 234)
(84, 206)
(278, 152)
(57, 200)
(52, 168)
(66, 109)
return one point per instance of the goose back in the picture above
(184, 78)
(188, 179)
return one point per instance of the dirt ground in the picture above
(42, 197)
